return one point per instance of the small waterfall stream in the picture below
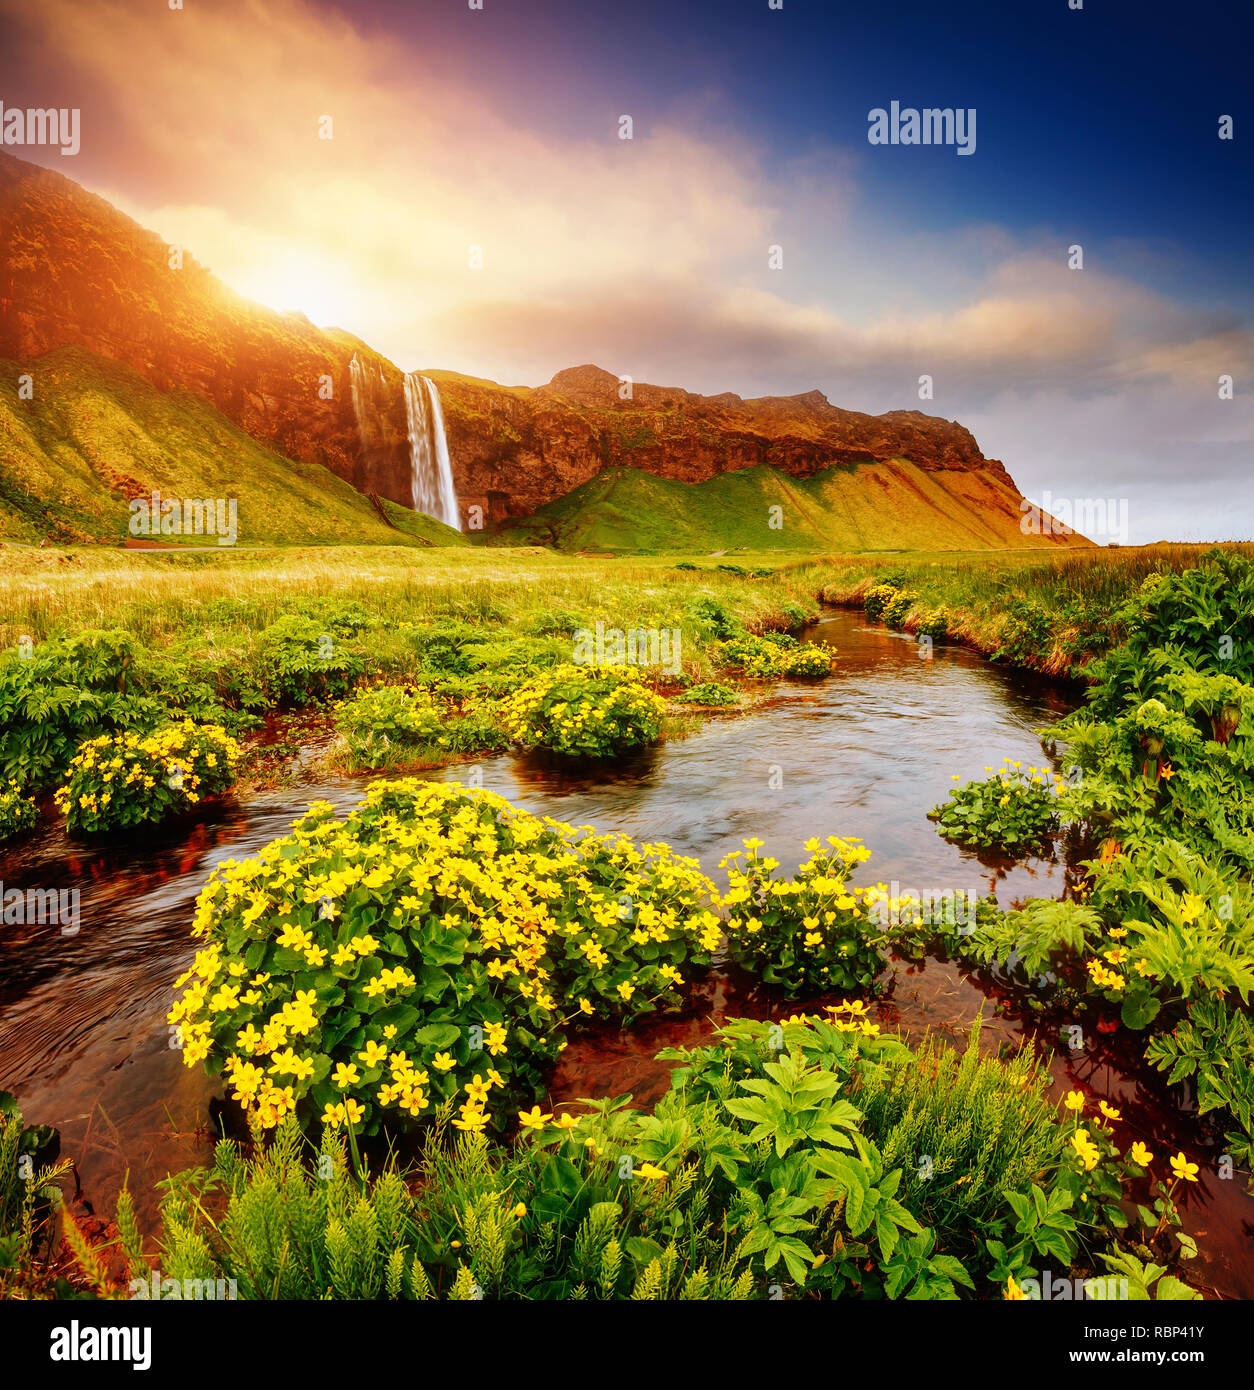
(431, 474)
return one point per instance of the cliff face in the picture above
(75, 272)
(515, 448)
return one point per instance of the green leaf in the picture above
(441, 1035)
(642, 1251)
(1139, 1011)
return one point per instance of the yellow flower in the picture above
(1140, 1155)
(1182, 1168)
(520, 1210)
(478, 1090)
(1013, 1292)
(647, 1170)
(345, 1075)
(1109, 1111)
(471, 1120)
(443, 1061)
(533, 1119)
(1085, 1149)
(373, 1054)
(1074, 1100)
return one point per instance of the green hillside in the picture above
(854, 507)
(95, 434)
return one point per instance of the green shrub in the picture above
(799, 1159)
(17, 812)
(797, 615)
(536, 1223)
(443, 648)
(1012, 810)
(30, 1199)
(586, 711)
(121, 780)
(386, 719)
(807, 934)
(303, 659)
(554, 622)
(711, 693)
(430, 947)
(713, 617)
(66, 690)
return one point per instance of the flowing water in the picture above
(83, 1038)
(432, 474)
(430, 470)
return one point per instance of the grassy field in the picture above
(990, 597)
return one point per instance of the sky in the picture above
(500, 128)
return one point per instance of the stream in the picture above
(85, 1046)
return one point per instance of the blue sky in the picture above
(1101, 120)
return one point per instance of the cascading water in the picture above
(432, 474)
(370, 394)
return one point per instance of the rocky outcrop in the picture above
(76, 272)
(516, 448)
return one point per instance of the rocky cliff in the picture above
(516, 448)
(75, 272)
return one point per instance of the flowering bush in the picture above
(809, 934)
(776, 655)
(1012, 809)
(898, 606)
(17, 812)
(933, 622)
(387, 717)
(429, 948)
(589, 711)
(126, 779)
(877, 598)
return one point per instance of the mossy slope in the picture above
(853, 507)
(95, 434)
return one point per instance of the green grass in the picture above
(855, 507)
(95, 433)
(227, 596)
(1047, 612)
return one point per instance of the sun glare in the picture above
(300, 280)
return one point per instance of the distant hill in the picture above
(868, 506)
(77, 274)
(96, 434)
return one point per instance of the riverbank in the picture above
(1051, 614)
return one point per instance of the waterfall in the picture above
(370, 394)
(430, 472)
